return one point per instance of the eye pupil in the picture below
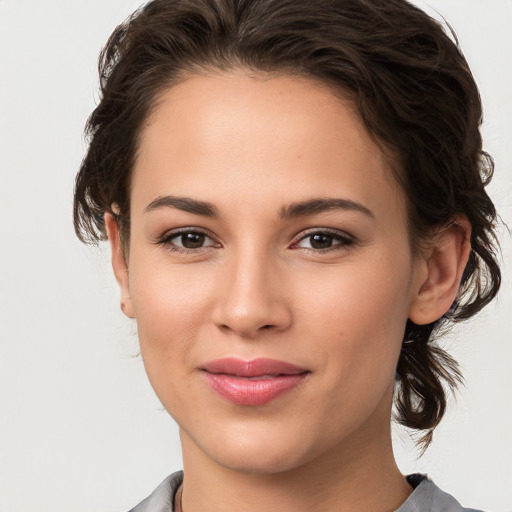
(192, 240)
(320, 241)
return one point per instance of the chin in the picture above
(258, 460)
(256, 449)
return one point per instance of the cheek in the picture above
(164, 293)
(359, 296)
(357, 315)
(170, 305)
(170, 309)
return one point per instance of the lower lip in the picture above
(244, 391)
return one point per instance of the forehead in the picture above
(232, 137)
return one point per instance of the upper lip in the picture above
(253, 368)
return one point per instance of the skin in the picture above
(259, 287)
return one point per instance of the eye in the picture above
(324, 240)
(187, 240)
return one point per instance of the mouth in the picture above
(252, 383)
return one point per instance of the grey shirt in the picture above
(426, 497)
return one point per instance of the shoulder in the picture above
(428, 497)
(162, 498)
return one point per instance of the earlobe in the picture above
(119, 264)
(442, 266)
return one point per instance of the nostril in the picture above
(247, 318)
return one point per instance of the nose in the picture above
(252, 298)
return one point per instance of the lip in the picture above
(252, 383)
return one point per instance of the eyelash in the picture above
(344, 240)
(166, 240)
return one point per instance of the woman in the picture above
(293, 192)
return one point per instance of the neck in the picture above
(357, 475)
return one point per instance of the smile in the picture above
(252, 383)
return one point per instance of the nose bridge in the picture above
(253, 298)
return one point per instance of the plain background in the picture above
(80, 428)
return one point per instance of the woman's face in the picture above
(265, 224)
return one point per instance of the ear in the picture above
(119, 264)
(441, 267)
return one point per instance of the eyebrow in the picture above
(184, 203)
(320, 205)
(291, 211)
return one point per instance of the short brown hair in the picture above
(413, 89)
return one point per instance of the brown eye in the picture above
(192, 240)
(324, 241)
(321, 241)
(187, 241)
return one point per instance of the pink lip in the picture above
(255, 382)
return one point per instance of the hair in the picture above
(410, 83)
